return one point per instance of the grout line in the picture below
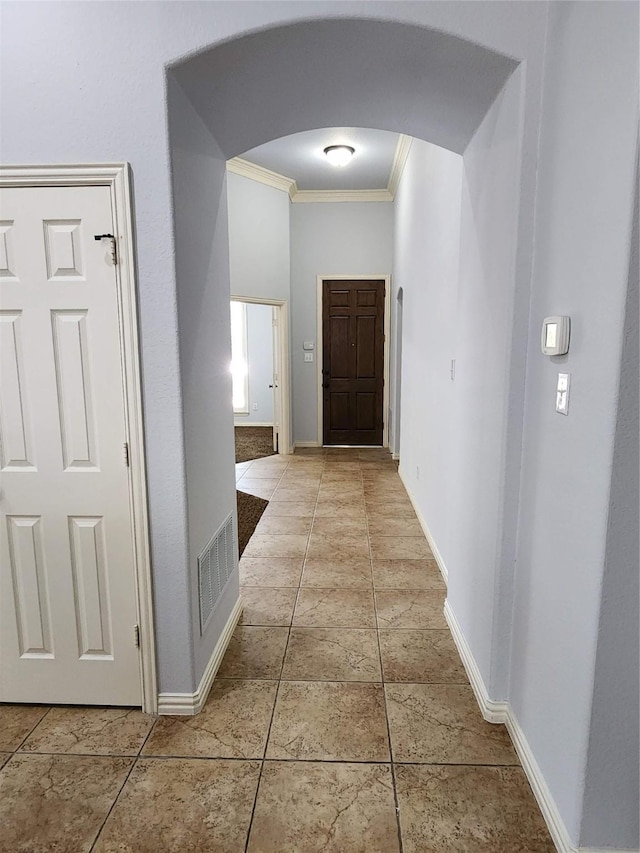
(117, 797)
(384, 698)
(279, 680)
(133, 764)
(237, 758)
(32, 730)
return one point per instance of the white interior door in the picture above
(277, 399)
(67, 583)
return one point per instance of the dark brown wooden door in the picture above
(353, 361)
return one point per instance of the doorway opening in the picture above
(353, 334)
(260, 374)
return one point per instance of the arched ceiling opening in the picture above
(343, 72)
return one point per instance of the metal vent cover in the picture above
(216, 564)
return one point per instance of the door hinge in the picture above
(114, 251)
(136, 635)
(126, 454)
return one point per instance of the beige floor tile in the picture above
(330, 574)
(296, 492)
(338, 527)
(306, 807)
(340, 491)
(340, 475)
(254, 653)
(332, 654)
(328, 721)
(340, 509)
(341, 546)
(289, 509)
(407, 574)
(90, 731)
(442, 724)
(270, 545)
(16, 722)
(400, 548)
(57, 802)
(420, 656)
(280, 524)
(178, 804)
(334, 608)
(267, 605)
(270, 571)
(233, 724)
(376, 490)
(390, 508)
(410, 608)
(270, 472)
(471, 809)
(4, 757)
(380, 526)
(259, 488)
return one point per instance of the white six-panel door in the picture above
(67, 581)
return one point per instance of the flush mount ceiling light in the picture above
(339, 155)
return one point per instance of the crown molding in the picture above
(314, 196)
(399, 162)
(280, 182)
(264, 176)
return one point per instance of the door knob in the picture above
(325, 384)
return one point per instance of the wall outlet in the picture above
(255, 407)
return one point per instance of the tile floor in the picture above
(341, 719)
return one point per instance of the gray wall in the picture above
(260, 359)
(612, 786)
(258, 239)
(199, 173)
(47, 46)
(583, 231)
(333, 239)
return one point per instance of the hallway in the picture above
(341, 719)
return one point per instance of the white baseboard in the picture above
(190, 704)
(306, 444)
(493, 712)
(395, 457)
(502, 712)
(425, 529)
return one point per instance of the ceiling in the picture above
(300, 157)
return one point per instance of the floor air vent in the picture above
(215, 565)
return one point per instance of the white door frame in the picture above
(116, 176)
(387, 340)
(281, 305)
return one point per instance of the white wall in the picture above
(260, 365)
(585, 186)
(427, 246)
(258, 239)
(335, 239)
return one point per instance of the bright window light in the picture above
(239, 365)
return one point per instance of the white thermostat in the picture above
(307, 345)
(555, 335)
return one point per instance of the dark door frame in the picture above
(387, 341)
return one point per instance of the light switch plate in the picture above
(562, 393)
(308, 356)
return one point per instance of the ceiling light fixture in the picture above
(339, 155)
